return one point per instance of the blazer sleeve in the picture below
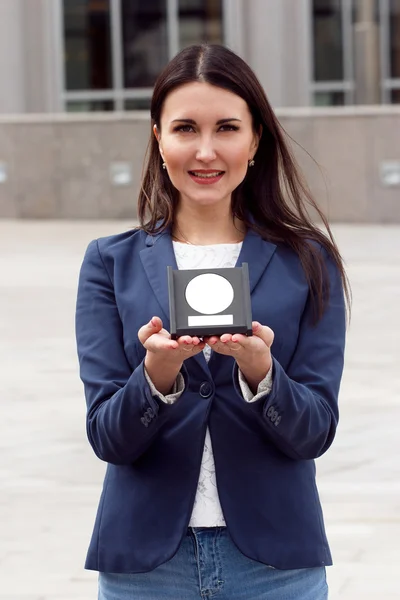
(123, 415)
(300, 414)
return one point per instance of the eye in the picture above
(229, 128)
(184, 128)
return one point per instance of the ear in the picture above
(256, 141)
(156, 133)
(158, 138)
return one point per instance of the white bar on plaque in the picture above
(206, 320)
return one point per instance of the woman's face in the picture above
(206, 141)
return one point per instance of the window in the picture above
(200, 21)
(332, 52)
(90, 106)
(138, 104)
(329, 99)
(87, 45)
(394, 38)
(115, 49)
(356, 52)
(395, 96)
(390, 51)
(145, 43)
(328, 40)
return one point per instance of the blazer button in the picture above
(274, 416)
(205, 389)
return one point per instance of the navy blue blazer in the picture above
(263, 451)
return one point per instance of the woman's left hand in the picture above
(252, 353)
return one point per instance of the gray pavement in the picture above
(50, 480)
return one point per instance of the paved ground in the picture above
(50, 480)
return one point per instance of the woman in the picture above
(210, 443)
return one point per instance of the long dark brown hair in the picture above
(273, 198)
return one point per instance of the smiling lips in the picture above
(206, 176)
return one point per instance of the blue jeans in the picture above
(208, 565)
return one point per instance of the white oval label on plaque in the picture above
(209, 293)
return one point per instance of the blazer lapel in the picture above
(257, 252)
(157, 255)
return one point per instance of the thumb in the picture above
(155, 323)
(153, 326)
(263, 332)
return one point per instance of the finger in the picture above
(229, 343)
(185, 340)
(186, 347)
(221, 348)
(156, 323)
(153, 326)
(240, 340)
(226, 337)
(263, 332)
(158, 343)
(188, 344)
(191, 351)
(212, 340)
(233, 346)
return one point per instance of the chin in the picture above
(207, 199)
(209, 202)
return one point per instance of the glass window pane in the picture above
(87, 44)
(328, 40)
(395, 39)
(138, 104)
(90, 105)
(145, 44)
(395, 96)
(200, 21)
(329, 99)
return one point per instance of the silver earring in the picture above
(164, 166)
(251, 162)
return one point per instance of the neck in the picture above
(207, 227)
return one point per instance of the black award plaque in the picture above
(204, 302)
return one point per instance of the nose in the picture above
(205, 151)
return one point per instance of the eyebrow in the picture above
(219, 122)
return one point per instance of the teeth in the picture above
(206, 175)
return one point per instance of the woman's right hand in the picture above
(164, 357)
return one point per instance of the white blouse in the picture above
(207, 511)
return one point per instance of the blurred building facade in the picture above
(76, 79)
(104, 55)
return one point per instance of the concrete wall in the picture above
(349, 145)
(59, 166)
